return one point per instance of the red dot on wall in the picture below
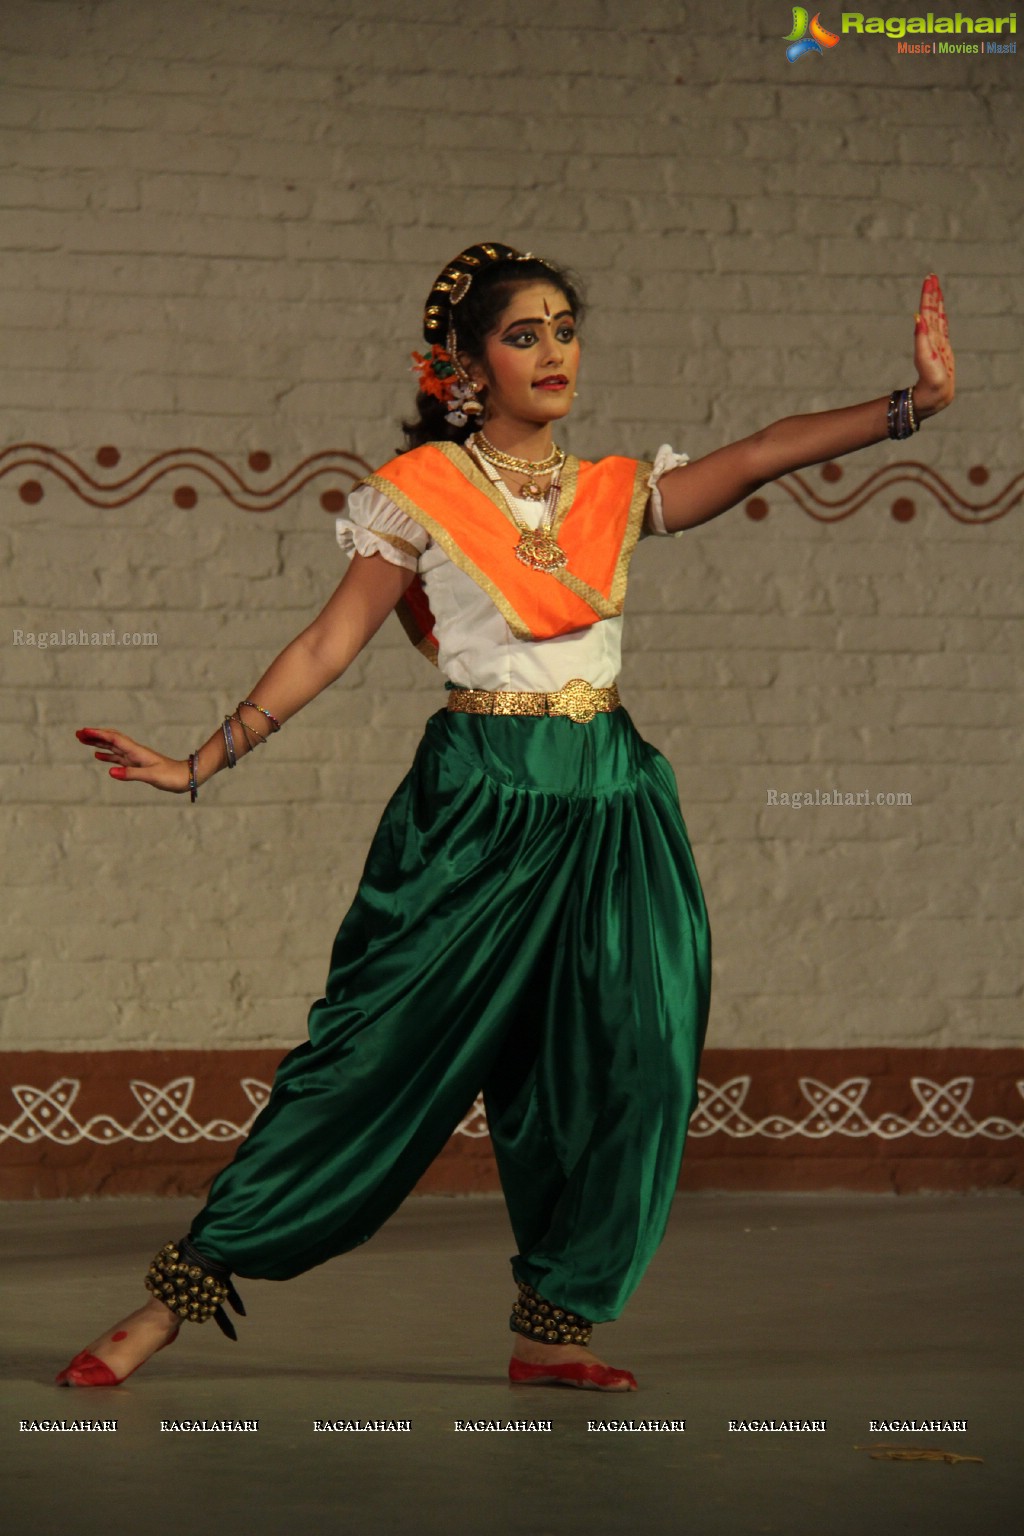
(259, 462)
(757, 509)
(832, 472)
(30, 491)
(108, 456)
(977, 474)
(332, 501)
(903, 509)
(185, 497)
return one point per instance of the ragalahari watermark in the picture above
(64, 639)
(798, 799)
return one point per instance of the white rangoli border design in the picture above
(839, 1112)
(47, 1114)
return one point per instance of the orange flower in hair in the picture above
(436, 373)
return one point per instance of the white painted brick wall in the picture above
(219, 222)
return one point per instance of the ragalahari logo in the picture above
(799, 41)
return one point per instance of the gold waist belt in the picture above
(577, 699)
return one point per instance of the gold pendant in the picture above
(540, 550)
(531, 491)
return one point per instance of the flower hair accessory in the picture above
(439, 376)
(436, 372)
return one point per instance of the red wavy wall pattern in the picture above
(187, 466)
(881, 482)
(190, 468)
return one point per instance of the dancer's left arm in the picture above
(705, 487)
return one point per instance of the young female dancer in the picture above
(529, 921)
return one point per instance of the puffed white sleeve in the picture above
(665, 459)
(373, 525)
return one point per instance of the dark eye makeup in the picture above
(528, 338)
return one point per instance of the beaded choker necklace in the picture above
(530, 490)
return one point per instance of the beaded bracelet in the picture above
(193, 781)
(275, 722)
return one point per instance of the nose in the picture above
(553, 351)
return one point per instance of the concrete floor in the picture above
(844, 1308)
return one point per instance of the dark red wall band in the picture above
(163, 1122)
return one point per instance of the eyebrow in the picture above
(537, 320)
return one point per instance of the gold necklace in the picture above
(538, 548)
(530, 490)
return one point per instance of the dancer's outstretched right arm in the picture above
(315, 658)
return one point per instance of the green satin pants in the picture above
(530, 923)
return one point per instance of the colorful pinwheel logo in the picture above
(799, 41)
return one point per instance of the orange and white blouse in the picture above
(488, 621)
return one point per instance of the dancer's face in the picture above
(531, 358)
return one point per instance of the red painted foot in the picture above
(86, 1370)
(577, 1373)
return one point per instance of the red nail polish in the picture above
(118, 1336)
(120, 773)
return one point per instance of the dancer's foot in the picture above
(569, 1365)
(122, 1349)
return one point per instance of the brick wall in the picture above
(220, 222)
